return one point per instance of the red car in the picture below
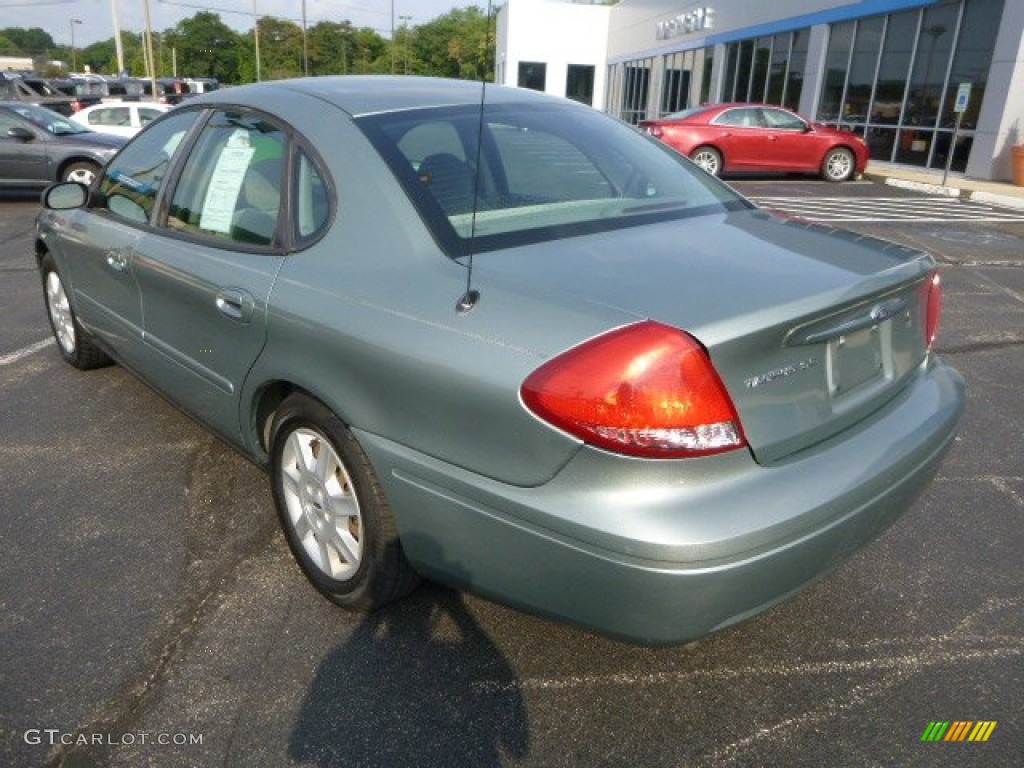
(725, 138)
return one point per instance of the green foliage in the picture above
(459, 44)
(204, 46)
(26, 42)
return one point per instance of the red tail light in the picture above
(643, 390)
(934, 311)
(654, 130)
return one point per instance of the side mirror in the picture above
(20, 134)
(64, 196)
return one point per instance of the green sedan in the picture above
(497, 339)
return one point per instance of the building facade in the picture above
(926, 82)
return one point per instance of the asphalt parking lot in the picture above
(152, 614)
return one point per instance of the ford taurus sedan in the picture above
(727, 138)
(497, 339)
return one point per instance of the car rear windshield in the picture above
(545, 172)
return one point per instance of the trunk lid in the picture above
(810, 328)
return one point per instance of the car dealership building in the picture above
(908, 75)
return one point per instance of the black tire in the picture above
(708, 158)
(81, 171)
(838, 165)
(73, 342)
(333, 510)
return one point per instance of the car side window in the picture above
(312, 203)
(741, 118)
(782, 120)
(118, 116)
(146, 115)
(132, 179)
(8, 121)
(230, 186)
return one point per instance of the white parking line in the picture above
(31, 349)
(879, 209)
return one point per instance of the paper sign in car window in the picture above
(225, 184)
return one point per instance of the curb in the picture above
(975, 195)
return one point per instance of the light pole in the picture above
(71, 23)
(256, 38)
(405, 35)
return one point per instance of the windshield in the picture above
(49, 120)
(546, 172)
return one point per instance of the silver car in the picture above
(497, 339)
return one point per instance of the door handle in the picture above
(236, 304)
(117, 260)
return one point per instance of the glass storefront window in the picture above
(533, 75)
(894, 68)
(837, 62)
(934, 47)
(705, 81)
(861, 77)
(777, 69)
(797, 64)
(636, 82)
(759, 72)
(894, 78)
(978, 30)
(579, 83)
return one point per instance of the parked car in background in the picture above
(120, 118)
(83, 94)
(169, 90)
(16, 88)
(202, 84)
(39, 147)
(728, 138)
(488, 336)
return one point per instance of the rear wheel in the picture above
(708, 158)
(838, 165)
(333, 510)
(73, 342)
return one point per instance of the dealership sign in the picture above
(692, 21)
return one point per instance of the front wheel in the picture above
(333, 510)
(74, 343)
(708, 158)
(83, 172)
(838, 165)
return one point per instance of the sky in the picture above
(54, 16)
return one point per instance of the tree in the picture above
(29, 42)
(459, 44)
(204, 46)
(280, 48)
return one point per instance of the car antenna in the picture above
(469, 299)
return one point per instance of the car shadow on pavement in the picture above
(418, 683)
(20, 195)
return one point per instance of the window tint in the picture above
(312, 204)
(777, 118)
(744, 118)
(544, 173)
(231, 184)
(119, 116)
(146, 115)
(132, 179)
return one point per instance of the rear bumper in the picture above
(661, 552)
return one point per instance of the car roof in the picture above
(369, 94)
